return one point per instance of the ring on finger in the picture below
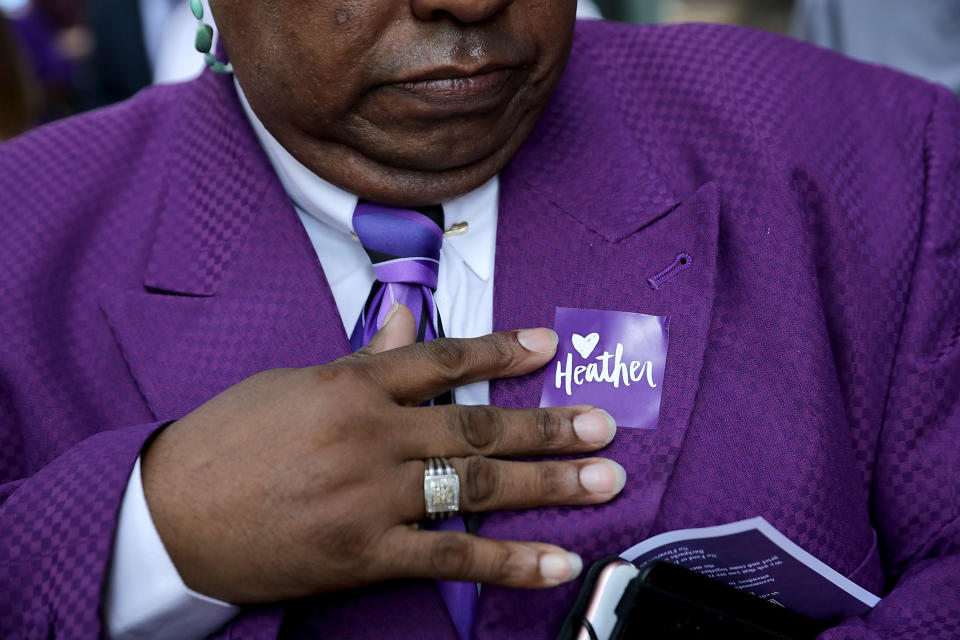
(441, 489)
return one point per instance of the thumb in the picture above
(399, 329)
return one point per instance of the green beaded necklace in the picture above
(204, 40)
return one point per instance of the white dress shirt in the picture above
(588, 9)
(146, 598)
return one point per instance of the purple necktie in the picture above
(404, 247)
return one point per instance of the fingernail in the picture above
(595, 427)
(392, 312)
(560, 567)
(606, 477)
(538, 340)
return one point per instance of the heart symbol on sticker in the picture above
(585, 345)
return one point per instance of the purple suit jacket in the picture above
(149, 258)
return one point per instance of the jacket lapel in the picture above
(585, 221)
(232, 285)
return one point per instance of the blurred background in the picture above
(61, 57)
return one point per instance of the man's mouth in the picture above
(459, 89)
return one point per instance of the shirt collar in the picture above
(334, 207)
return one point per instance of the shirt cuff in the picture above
(145, 596)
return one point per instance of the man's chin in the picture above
(406, 187)
(412, 168)
(442, 158)
(422, 189)
(421, 175)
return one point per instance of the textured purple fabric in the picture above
(814, 342)
(404, 247)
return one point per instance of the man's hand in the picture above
(302, 481)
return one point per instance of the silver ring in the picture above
(441, 489)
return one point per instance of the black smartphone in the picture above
(664, 601)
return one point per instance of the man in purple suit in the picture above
(189, 447)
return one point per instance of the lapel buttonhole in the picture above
(682, 262)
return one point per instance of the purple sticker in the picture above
(611, 359)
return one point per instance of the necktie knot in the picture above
(404, 247)
(403, 244)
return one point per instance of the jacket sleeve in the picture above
(916, 480)
(56, 534)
